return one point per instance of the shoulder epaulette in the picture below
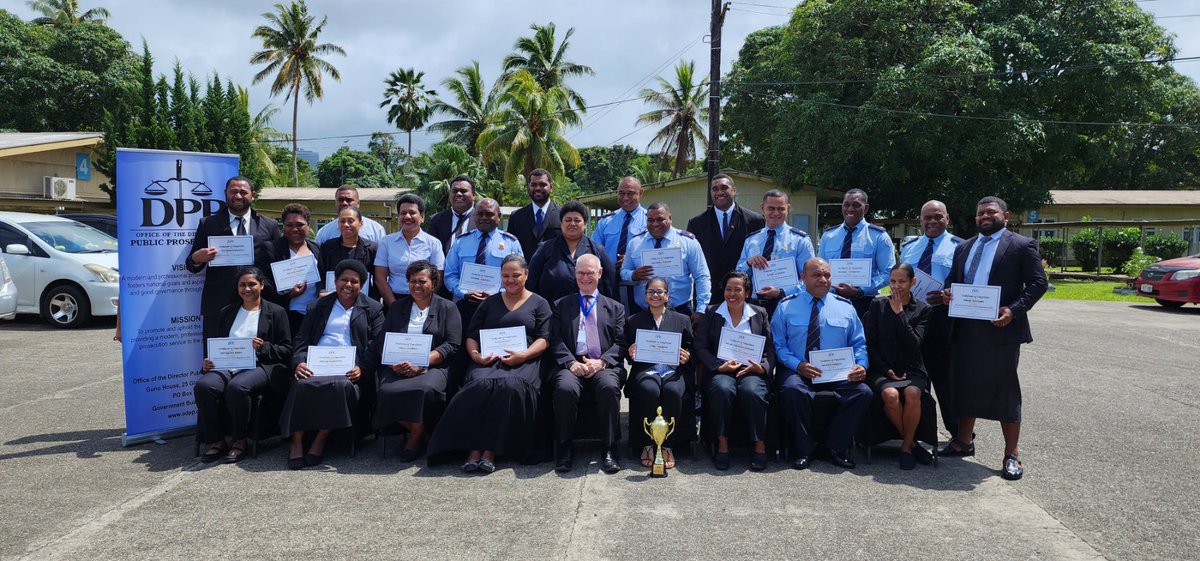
(798, 232)
(508, 235)
(755, 232)
(956, 239)
(876, 227)
(613, 213)
(843, 299)
(469, 232)
(687, 234)
(834, 227)
(905, 244)
(642, 233)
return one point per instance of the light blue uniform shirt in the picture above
(608, 230)
(943, 254)
(501, 244)
(695, 269)
(789, 243)
(840, 327)
(985, 263)
(397, 253)
(337, 327)
(870, 242)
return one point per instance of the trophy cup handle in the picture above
(671, 427)
(646, 427)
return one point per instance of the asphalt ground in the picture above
(1110, 445)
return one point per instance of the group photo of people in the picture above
(479, 345)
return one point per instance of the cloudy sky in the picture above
(627, 42)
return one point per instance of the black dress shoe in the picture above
(486, 466)
(721, 461)
(1012, 469)
(565, 460)
(907, 461)
(758, 461)
(295, 463)
(921, 455)
(313, 459)
(802, 462)
(470, 466)
(409, 455)
(609, 463)
(841, 459)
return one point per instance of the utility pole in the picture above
(719, 10)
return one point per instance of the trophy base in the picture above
(658, 470)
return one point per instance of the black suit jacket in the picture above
(894, 341)
(722, 254)
(1017, 270)
(366, 322)
(443, 322)
(441, 226)
(278, 250)
(565, 329)
(673, 322)
(273, 329)
(521, 225)
(708, 338)
(220, 284)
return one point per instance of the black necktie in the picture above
(769, 248)
(658, 243)
(537, 223)
(481, 251)
(623, 242)
(458, 224)
(846, 242)
(241, 231)
(926, 262)
(725, 225)
(814, 327)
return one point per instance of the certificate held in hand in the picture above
(290, 272)
(407, 347)
(330, 360)
(667, 262)
(232, 250)
(834, 364)
(780, 273)
(232, 353)
(854, 272)
(479, 278)
(658, 347)
(741, 346)
(974, 301)
(497, 342)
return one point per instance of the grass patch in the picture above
(1099, 291)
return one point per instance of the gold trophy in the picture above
(658, 431)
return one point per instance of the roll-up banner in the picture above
(161, 197)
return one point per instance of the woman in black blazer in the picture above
(294, 244)
(348, 245)
(345, 318)
(727, 380)
(552, 266)
(654, 385)
(895, 326)
(228, 392)
(411, 395)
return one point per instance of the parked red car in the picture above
(1172, 283)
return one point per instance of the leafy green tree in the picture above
(848, 94)
(292, 54)
(529, 131)
(431, 172)
(682, 106)
(601, 167)
(411, 104)
(547, 63)
(352, 167)
(65, 13)
(474, 108)
(383, 146)
(281, 157)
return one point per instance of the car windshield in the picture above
(73, 237)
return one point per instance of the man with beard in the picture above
(459, 219)
(722, 230)
(661, 235)
(855, 238)
(932, 255)
(236, 219)
(539, 219)
(615, 231)
(347, 196)
(985, 353)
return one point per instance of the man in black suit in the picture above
(459, 219)
(236, 219)
(722, 229)
(587, 337)
(984, 354)
(538, 220)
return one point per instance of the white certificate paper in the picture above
(232, 353)
(498, 341)
(740, 346)
(479, 278)
(854, 272)
(924, 285)
(290, 272)
(232, 250)
(667, 262)
(780, 273)
(330, 360)
(407, 347)
(974, 301)
(835, 364)
(658, 347)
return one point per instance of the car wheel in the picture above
(66, 306)
(1169, 303)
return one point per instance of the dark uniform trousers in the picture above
(236, 391)
(796, 396)
(569, 389)
(749, 391)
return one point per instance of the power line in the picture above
(1181, 16)
(631, 133)
(758, 12)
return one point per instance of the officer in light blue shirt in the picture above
(932, 253)
(347, 196)
(796, 337)
(855, 238)
(616, 230)
(660, 235)
(468, 249)
(776, 241)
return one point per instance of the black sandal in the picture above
(210, 456)
(235, 455)
(957, 449)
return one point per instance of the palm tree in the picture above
(432, 171)
(682, 107)
(411, 103)
(528, 131)
(476, 106)
(262, 135)
(292, 55)
(547, 63)
(65, 13)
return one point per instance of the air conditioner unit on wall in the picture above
(59, 188)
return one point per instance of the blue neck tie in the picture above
(658, 243)
(814, 328)
(769, 247)
(849, 240)
(970, 278)
(481, 251)
(623, 242)
(926, 262)
(537, 222)
(725, 225)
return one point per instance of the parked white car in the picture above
(63, 270)
(8, 292)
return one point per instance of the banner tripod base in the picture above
(155, 437)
